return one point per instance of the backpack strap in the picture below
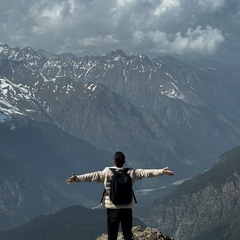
(134, 196)
(104, 191)
(113, 170)
(126, 170)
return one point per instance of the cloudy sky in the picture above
(181, 28)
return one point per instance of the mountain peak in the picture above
(118, 52)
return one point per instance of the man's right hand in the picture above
(71, 179)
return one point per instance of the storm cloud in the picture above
(197, 28)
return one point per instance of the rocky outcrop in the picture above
(142, 234)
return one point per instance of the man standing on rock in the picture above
(117, 211)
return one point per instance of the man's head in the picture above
(119, 159)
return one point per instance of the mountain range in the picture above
(36, 158)
(156, 110)
(61, 113)
(204, 207)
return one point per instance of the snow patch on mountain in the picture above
(173, 92)
(91, 86)
(10, 94)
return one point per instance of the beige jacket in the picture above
(105, 178)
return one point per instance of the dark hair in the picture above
(119, 159)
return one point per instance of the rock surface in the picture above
(142, 234)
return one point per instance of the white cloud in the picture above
(145, 26)
(46, 17)
(123, 3)
(212, 5)
(166, 5)
(98, 41)
(205, 41)
(138, 36)
(202, 41)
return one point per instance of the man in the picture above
(118, 213)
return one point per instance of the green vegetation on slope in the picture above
(73, 223)
(227, 228)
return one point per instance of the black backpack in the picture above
(121, 191)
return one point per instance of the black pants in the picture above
(117, 216)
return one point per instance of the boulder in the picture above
(142, 234)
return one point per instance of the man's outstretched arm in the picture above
(97, 176)
(147, 173)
